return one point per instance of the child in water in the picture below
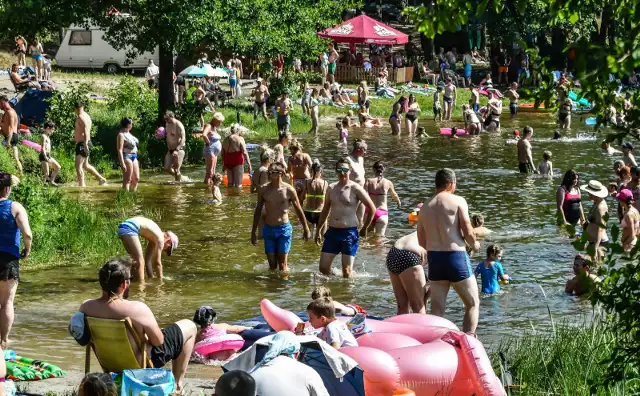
(342, 309)
(584, 280)
(205, 317)
(343, 133)
(545, 167)
(215, 188)
(322, 315)
(491, 271)
(477, 222)
(437, 107)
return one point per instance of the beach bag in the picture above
(148, 382)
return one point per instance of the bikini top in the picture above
(321, 196)
(130, 142)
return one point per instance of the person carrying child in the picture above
(491, 271)
(46, 160)
(342, 309)
(583, 281)
(322, 315)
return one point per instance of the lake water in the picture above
(216, 264)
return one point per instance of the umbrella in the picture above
(364, 30)
(203, 70)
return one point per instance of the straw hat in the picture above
(595, 188)
(218, 116)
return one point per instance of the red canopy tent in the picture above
(364, 30)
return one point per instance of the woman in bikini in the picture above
(127, 146)
(596, 225)
(405, 262)
(298, 167)
(395, 119)
(212, 146)
(413, 109)
(630, 223)
(234, 155)
(569, 200)
(363, 95)
(377, 189)
(313, 194)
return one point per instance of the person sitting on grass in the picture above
(477, 221)
(491, 271)
(235, 383)
(129, 232)
(583, 281)
(342, 309)
(322, 315)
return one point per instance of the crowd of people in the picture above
(422, 265)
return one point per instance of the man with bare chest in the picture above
(340, 207)
(176, 139)
(82, 137)
(276, 197)
(10, 130)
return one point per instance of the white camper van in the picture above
(84, 48)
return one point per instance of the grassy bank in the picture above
(566, 361)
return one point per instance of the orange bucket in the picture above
(246, 180)
(403, 392)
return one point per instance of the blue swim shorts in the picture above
(232, 83)
(449, 266)
(341, 240)
(277, 239)
(128, 228)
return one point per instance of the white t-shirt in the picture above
(152, 72)
(337, 332)
(284, 376)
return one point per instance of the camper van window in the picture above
(80, 37)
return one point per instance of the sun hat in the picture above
(218, 116)
(174, 242)
(595, 188)
(624, 195)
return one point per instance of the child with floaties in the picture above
(491, 271)
(342, 309)
(205, 318)
(322, 315)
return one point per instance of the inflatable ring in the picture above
(246, 180)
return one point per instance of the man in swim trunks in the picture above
(449, 98)
(173, 343)
(82, 137)
(445, 231)
(356, 160)
(340, 207)
(176, 138)
(276, 197)
(260, 95)
(333, 59)
(9, 125)
(283, 106)
(129, 232)
(513, 96)
(525, 157)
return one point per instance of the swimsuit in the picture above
(130, 147)
(467, 70)
(447, 99)
(14, 139)
(341, 240)
(214, 147)
(284, 122)
(231, 160)
(44, 157)
(400, 260)
(9, 243)
(476, 107)
(81, 149)
(525, 167)
(128, 228)
(277, 239)
(171, 347)
(312, 215)
(571, 206)
(412, 115)
(490, 276)
(513, 108)
(299, 183)
(452, 266)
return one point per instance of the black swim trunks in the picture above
(562, 116)
(170, 349)
(81, 149)
(14, 139)
(312, 217)
(399, 260)
(9, 267)
(525, 167)
(43, 157)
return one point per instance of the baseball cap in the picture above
(624, 195)
(174, 242)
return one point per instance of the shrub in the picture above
(62, 112)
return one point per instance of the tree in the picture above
(38, 18)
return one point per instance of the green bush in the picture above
(62, 112)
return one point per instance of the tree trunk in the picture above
(427, 47)
(165, 89)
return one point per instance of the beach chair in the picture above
(110, 343)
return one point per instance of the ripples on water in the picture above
(217, 265)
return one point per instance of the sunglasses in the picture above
(274, 173)
(342, 170)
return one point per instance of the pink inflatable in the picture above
(278, 318)
(160, 133)
(226, 342)
(32, 145)
(478, 365)
(420, 333)
(387, 341)
(423, 320)
(381, 373)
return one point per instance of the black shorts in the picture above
(399, 260)
(562, 116)
(14, 139)
(366, 104)
(412, 117)
(490, 119)
(513, 108)
(170, 349)
(312, 217)
(525, 167)
(81, 149)
(43, 157)
(9, 267)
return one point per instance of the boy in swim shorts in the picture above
(276, 197)
(46, 160)
(437, 107)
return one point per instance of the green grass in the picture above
(565, 361)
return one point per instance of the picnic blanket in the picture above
(25, 369)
